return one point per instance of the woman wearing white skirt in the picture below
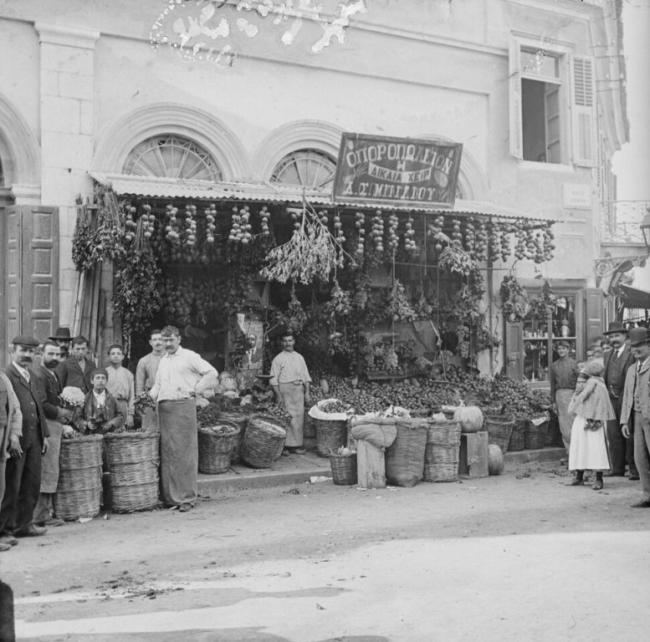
(592, 408)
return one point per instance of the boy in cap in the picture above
(100, 413)
(635, 410)
(23, 471)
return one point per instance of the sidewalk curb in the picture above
(251, 479)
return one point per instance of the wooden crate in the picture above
(473, 459)
(371, 465)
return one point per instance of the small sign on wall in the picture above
(404, 171)
(576, 196)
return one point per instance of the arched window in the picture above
(171, 156)
(306, 168)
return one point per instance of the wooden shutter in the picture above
(514, 350)
(30, 247)
(514, 89)
(594, 308)
(584, 134)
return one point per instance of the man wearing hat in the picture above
(617, 362)
(76, 369)
(563, 378)
(23, 473)
(635, 409)
(63, 339)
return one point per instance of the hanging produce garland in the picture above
(377, 232)
(359, 223)
(409, 236)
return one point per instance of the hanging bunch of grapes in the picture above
(409, 236)
(210, 224)
(189, 237)
(265, 217)
(359, 223)
(339, 236)
(129, 224)
(393, 238)
(377, 231)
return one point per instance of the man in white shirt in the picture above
(290, 381)
(182, 376)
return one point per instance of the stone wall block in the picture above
(60, 115)
(72, 60)
(74, 85)
(86, 117)
(69, 151)
(49, 83)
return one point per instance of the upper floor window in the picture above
(306, 168)
(171, 156)
(551, 105)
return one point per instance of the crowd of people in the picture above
(36, 415)
(603, 407)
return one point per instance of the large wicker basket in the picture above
(79, 489)
(216, 445)
(240, 420)
(499, 428)
(518, 436)
(263, 441)
(132, 458)
(536, 434)
(330, 435)
(405, 457)
(344, 469)
(442, 451)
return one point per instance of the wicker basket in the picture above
(536, 435)
(405, 457)
(263, 441)
(240, 420)
(442, 452)
(132, 458)
(518, 437)
(499, 428)
(80, 478)
(330, 435)
(344, 469)
(216, 445)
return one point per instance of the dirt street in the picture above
(516, 557)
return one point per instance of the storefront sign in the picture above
(403, 171)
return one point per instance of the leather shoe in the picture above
(4, 547)
(598, 484)
(299, 451)
(614, 474)
(184, 508)
(633, 476)
(644, 503)
(31, 531)
(7, 539)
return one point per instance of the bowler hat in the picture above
(616, 327)
(638, 336)
(25, 341)
(62, 334)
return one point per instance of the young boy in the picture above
(100, 413)
(121, 384)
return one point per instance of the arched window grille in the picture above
(306, 168)
(171, 156)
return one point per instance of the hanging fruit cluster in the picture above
(130, 225)
(505, 244)
(265, 216)
(172, 233)
(148, 221)
(189, 237)
(240, 232)
(456, 235)
(359, 223)
(338, 229)
(409, 236)
(323, 217)
(494, 243)
(377, 231)
(210, 223)
(393, 238)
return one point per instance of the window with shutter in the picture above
(583, 112)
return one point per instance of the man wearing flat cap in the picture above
(635, 410)
(617, 362)
(23, 472)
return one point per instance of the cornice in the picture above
(68, 36)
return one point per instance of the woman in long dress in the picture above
(592, 408)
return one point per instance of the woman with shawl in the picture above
(593, 409)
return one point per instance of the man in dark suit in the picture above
(76, 369)
(57, 419)
(617, 362)
(23, 473)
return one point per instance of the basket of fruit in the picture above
(344, 466)
(331, 422)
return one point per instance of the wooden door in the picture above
(29, 240)
(514, 350)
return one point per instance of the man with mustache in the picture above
(23, 473)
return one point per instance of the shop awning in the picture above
(153, 187)
(635, 298)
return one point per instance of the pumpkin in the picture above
(495, 460)
(470, 418)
